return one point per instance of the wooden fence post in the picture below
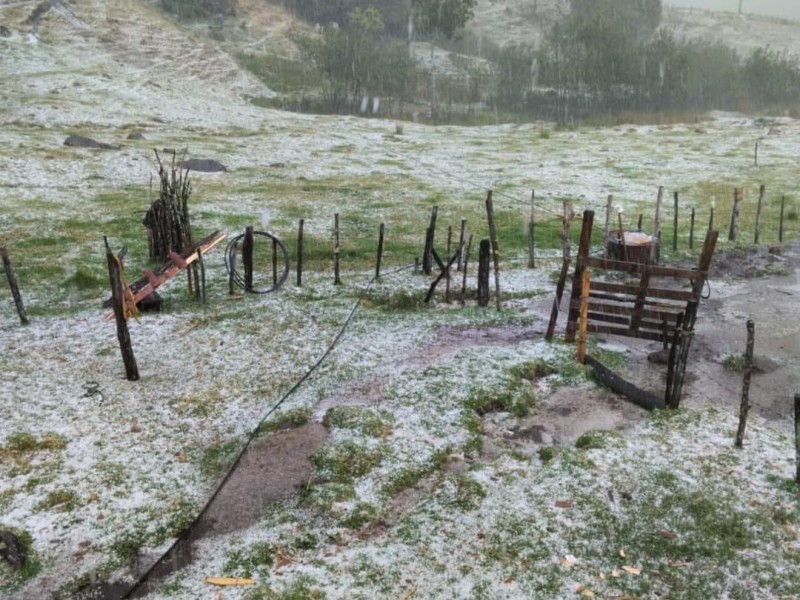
(761, 192)
(654, 249)
(336, 279)
(484, 256)
(12, 283)
(780, 226)
(235, 251)
(300, 252)
(427, 255)
(607, 228)
(495, 248)
(117, 303)
(247, 258)
(583, 252)
(675, 224)
(744, 408)
(461, 243)
(380, 252)
(584, 318)
(737, 201)
(711, 218)
(797, 435)
(562, 277)
(531, 235)
(466, 263)
(202, 278)
(691, 230)
(639, 223)
(447, 275)
(755, 159)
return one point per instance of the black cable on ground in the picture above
(186, 536)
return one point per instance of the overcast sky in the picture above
(775, 8)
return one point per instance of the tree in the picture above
(442, 17)
(638, 18)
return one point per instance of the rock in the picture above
(79, 141)
(151, 303)
(659, 357)
(764, 364)
(202, 165)
(12, 552)
(136, 135)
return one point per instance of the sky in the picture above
(776, 8)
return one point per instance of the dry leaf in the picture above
(614, 573)
(587, 593)
(667, 535)
(136, 428)
(569, 561)
(632, 570)
(579, 587)
(282, 559)
(230, 581)
(564, 503)
(622, 554)
(602, 576)
(408, 594)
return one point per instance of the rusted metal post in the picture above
(737, 201)
(380, 252)
(495, 248)
(336, 279)
(117, 303)
(744, 408)
(12, 283)
(247, 258)
(300, 252)
(761, 192)
(531, 235)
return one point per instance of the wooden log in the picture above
(613, 381)
(531, 234)
(300, 252)
(247, 258)
(336, 279)
(12, 283)
(584, 318)
(461, 243)
(737, 201)
(495, 248)
(675, 223)
(117, 303)
(797, 436)
(761, 192)
(464, 279)
(580, 264)
(691, 229)
(380, 252)
(484, 257)
(744, 407)
(562, 276)
(780, 224)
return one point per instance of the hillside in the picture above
(400, 449)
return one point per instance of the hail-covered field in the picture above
(464, 457)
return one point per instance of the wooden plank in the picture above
(638, 307)
(628, 267)
(580, 265)
(629, 310)
(625, 332)
(645, 324)
(652, 292)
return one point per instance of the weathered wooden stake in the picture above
(202, 266)
(622, 238)
(300, 252)
(12, 283)
(461, 243)
(761, 192)
(380, 252)
(756, 155)
(464, 279)
(691, 230)
(495, 248)
(584, 318)
(531, 235)
(336, 279)
(737, 200)
(430, 233)
(447, 275)
(484, 256)
(744, 408)
(233, 268)
(639, 224)
(583, 252)
(607, 228)
(562, 277)
(247, 258)
(797, 435)
(657, 225)
(780, 225)
(117, 303)
(711, 219)
(675, 224)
